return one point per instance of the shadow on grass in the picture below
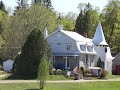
(21, 77)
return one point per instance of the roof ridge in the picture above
(117, 55)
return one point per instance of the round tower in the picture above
(102, 49)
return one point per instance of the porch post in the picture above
(53, 60)
(66, 62)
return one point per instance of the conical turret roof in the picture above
(99, 38)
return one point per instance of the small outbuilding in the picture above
(7, 65)
(116, 65)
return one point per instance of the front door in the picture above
(67, 63)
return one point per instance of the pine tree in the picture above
(46, 3)
(33, 51)
(99, 63)
(86, 21)
(79, 24)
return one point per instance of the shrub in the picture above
(99, 63)
(103, 73)
(82, 70)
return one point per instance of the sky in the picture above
(64, 6)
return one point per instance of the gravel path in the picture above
(59, 81)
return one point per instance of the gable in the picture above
(58, 37)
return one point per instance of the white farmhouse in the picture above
(70, 49)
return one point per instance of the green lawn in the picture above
(113, 76)
(64, 86)
(57, 77)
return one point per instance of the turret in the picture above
(99, 38)
(102, 49)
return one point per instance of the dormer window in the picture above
(83, 47)
(68, 46)
(90, 48)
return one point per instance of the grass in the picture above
(57, 77)
(63, 86)
(19, 77)
(112, 76)
(52, 77)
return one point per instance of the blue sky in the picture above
(65, 6)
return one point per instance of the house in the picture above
(70, 49)
(116, 64)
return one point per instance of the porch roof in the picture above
(65, 54)
(90, 53)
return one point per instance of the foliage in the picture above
(46, 3)
(102, 74)
(112, 16)
(3, 17)
(111, 23)
(99, 63)
(18, 27)
(43, 71)
(68, 21)
(83, 70)
(87, 20)
(32, 54)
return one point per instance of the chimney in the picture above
(60, 27)
(85, 35)
(45, 32)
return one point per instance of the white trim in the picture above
(68, 46)
(66, 61)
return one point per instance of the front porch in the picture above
(70, 61)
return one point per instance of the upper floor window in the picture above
(68, 46)
(90, 48)
(58, 43)
(83, 47)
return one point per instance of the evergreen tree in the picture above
(99, 63)
(86, 21)
(46, 3)
(33, 51)
(79, 27)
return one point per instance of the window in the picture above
(68, 46)
(83, 47)
(58, 43)
(90, 48)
